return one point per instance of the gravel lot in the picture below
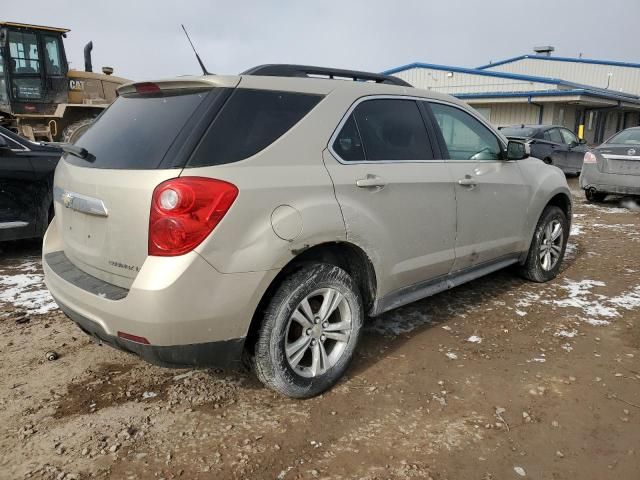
(497, 379)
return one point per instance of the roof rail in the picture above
(307, 71)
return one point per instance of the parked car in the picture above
(613, 167)
(204, 219)
(26, 186)
(552, 144)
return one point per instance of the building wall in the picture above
(503, 114)
(624, 79)
(455, 82)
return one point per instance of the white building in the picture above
(592, 97)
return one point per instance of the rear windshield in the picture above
(518, 132)
(626, 137)
(137, 131)
(250, 121)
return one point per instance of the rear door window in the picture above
(249, 122)
(392, 129)
(137, 131)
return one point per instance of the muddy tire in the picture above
(309, 332)
(547, 247)
(593, 196)
(74, 131)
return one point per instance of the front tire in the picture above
(309, 332)
(547, 247)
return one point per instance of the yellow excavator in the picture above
(40, 97)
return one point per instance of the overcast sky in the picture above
(142, 39)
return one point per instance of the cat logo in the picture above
(77, 85)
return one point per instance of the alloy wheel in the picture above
(318, 332)
(551, 246)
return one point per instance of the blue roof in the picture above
(562, 59)
(571, 88)
(476, 71)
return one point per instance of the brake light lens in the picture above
(184, 211)
(147, 88)
(589, 157)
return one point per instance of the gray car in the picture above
(613, 167)
(202, 220)
(553, 144)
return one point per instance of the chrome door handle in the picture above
(467, 182)
(371, 181)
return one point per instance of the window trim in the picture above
(482, 120)
(435, 147)
(23, 149)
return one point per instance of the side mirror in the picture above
(582, 141)
(574, 144)
(518, 150)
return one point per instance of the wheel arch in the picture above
(345, 255)
(560, 199)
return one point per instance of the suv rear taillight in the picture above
(590, 158)
(184, 211)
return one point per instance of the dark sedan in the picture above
(26, 186)
(613, 167)
(552, 144)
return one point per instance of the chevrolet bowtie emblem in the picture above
(67, 200)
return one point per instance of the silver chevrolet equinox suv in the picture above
(202, 221)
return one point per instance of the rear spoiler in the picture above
(181, 83)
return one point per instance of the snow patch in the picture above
(566, 334)
(576, 230)
(25, 290)
(629, 300)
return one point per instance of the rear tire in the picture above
(309, 332)
(594, 196)
(74, 131)
(547, 247)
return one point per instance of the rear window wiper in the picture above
(79, 152)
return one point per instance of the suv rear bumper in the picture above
(223, 354)
(190, 314)
(612, 183)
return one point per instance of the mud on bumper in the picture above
(221, 354)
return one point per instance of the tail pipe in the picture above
(87, 57)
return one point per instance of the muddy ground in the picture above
(497, 379)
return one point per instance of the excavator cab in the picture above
(40, 97)
(33, 69)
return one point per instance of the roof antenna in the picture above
(204, 69)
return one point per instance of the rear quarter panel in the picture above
(289, 173)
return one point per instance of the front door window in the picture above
(25, 57)
(466, 138)
(24, 64)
